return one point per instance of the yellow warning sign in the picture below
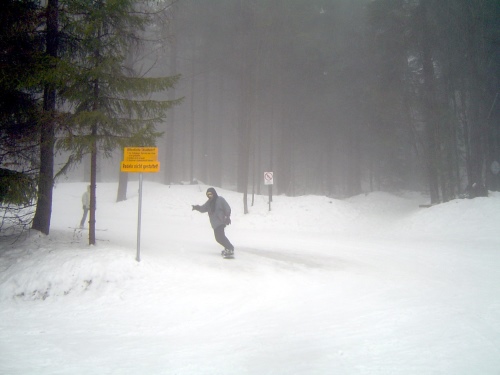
(140, 166)
(134, 154)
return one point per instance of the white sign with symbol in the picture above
(268, 178)
(495, 167)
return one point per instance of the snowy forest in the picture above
(335, 97)
(376, 251)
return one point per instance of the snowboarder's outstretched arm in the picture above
(202, 208)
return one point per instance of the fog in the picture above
(327, 94)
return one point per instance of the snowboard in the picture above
(227, 255)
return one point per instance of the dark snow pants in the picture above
(221, 238)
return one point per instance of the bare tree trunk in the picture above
(206, 175)
(43, 213)
(93, 174)
(476, 109)
(244, 151)
(218, 142)
(492, 178)
(191, 159)
(169, 144)
(93, 188)
(93, 161)
(429, 100)
(247, 102)
(354, 162)
(121, 195)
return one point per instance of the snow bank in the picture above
(370, 285)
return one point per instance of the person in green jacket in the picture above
(85, 205)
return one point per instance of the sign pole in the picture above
(269, 181)
(140, 160)
(270, 196)
(138, 258)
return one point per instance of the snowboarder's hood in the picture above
(212, 190)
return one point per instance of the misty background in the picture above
(336, 97)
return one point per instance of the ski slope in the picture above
(368, 285)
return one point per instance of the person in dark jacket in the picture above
(219, 214)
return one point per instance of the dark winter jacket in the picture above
(218, 210)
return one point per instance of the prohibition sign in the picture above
(268, 178)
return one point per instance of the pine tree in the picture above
(99, 88)
(20, 61)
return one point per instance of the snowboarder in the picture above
(219, 214)
(86, 206)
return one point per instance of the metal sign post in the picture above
(269, 180)
(139, 210)
(140, 160)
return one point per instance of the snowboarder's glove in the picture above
(196, 207)
(227, 220)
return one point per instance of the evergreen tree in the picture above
(99, 88)
(20, 61)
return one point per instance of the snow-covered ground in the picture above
(369, 285)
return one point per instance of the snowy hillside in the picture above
(369, 285)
